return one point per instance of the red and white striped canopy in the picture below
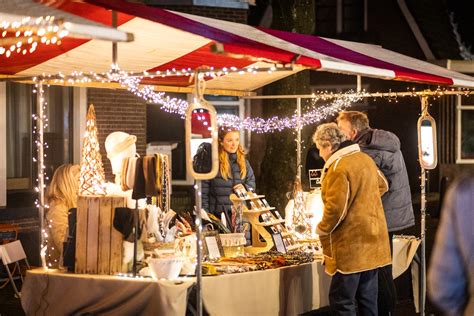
(167, 40)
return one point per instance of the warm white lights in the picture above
(92, 177)
(23, 36)
(323, 104)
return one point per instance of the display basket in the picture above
(233, 244)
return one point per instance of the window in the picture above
(229, 105)
(326, 17)
(167, 130)
(465, 132)
(21, 105)
(340, 16)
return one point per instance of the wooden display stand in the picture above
(99, 247)
(261, 228)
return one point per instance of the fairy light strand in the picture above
(23, 37)
(335, 101)
(41, 124)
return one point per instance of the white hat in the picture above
(118, 146)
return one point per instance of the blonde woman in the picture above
(233, 169)
(61, 196)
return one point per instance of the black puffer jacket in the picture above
(384, 148)
(215, 192)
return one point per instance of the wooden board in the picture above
(92, 235)
(98, 243)
(105, 223)
(116, 241)
(81, 235)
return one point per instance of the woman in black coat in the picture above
(233, 169)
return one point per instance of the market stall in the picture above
(175, 47)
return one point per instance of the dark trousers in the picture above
(355, 293)
(387, 298)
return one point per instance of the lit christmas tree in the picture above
(92, 171)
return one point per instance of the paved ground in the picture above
(9, 305)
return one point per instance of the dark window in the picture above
(326, 17)
(351, 15)
(467, 134)
(165, 128)
(21, 105)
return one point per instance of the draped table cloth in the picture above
(285, 291)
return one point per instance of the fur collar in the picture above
(338, 154)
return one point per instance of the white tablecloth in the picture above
(286, 291)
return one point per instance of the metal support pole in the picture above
(359, 83)
(114, 44)
(298, 139)
(197, 188)
(424, 107)
(423, 253)
(40, 158)
(136, 223)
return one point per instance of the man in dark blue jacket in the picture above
(384, 148)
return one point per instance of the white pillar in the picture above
(79, 113)
(3, 144)
(39, 141)
(298, 139)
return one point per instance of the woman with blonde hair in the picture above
(233, 169)
(61, 196)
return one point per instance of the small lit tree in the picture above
(92, 171)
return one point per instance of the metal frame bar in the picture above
(365, 94)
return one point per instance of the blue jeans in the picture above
(355, 293)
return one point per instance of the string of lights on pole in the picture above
(41, 146)
(24, 36)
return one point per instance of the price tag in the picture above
(278, 241)
(212, 247)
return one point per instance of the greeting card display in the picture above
(268, 230)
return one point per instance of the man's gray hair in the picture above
(329, 134)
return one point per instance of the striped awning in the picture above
(165, 40)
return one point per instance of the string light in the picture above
(339, 101)
(23, 37)
(316, 114)
(40, 119)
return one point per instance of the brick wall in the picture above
(118, 110)
(226, 14)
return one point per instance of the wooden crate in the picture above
(98, 244)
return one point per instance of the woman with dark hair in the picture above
(233, 169)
